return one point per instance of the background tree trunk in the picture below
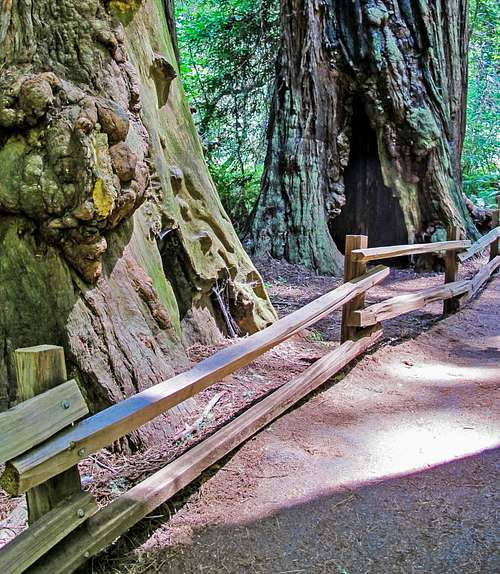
(366, 128)
(112, 236)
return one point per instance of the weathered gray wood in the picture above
(402, 304)
(352, 269)
(100, 430)
(34, 420)
(451, 305)
(46, 532)
(39, 369)
(478, 281)
(480, 245)
(375, 253)
(115, 519)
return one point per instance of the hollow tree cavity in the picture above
(366, 128)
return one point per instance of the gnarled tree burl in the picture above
(112, 237)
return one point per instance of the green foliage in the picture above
(238, 190)
(315, 336)
(482, 188)
(227, 50)
(481, 158)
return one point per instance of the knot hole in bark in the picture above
(162, 73)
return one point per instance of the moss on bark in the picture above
(102, 162)
(402, 67)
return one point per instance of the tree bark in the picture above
(112, 236)
(366, 128)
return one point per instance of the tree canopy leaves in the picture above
(227, 63)
(481, 161)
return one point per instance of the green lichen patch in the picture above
(11, 157)
(426, 130)
(124, 10)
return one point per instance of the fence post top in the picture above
(39, 349)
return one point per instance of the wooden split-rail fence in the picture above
(42, 440)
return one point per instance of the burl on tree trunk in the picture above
(113, 241)
(366, 128)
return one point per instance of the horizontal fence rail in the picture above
(102, 429)
(402, 304)
(35, 420)
(478, 281)
(125, 511)
(66, 527)
(17, 556)
(376, 253)
(480, 245)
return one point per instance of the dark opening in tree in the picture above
(371, 208)
(406, 62)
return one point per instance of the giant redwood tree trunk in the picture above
(112, 237)
(366, 128)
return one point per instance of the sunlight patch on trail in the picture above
(445, 372)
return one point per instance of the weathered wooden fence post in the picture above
(39, 369)
(495, 245)
(352, 269)
(451, 272)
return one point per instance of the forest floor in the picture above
(390, 468)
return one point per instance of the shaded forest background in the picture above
(228, 50)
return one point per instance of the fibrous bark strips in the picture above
(366, 127)
(101, 166)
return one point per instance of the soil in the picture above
(390, 469)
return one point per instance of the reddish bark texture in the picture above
(366, 128)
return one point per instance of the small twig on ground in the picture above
(286, 303)
(205, 415)
(102, 465)
(343, 501)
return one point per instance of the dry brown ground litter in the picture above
(392, 469)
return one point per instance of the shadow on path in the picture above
(438, 521)
(392, 470)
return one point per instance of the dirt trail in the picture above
(392, 470)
